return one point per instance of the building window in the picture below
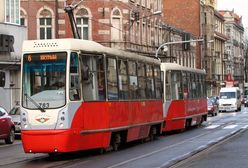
(148, 4)
(45, 24)
(143, 2)
(144, 32)
(138, 32)
(157, 5)
(23, 16)
(116, 29)
(82, 19)
(12, 11)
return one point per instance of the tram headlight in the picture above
(24, 120)
(62, 121)
(61, 125)
(25, 126)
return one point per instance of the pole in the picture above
(69, 10)
(175, 42)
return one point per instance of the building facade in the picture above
(136, 26)
(219, 70)
(125, 24)
(11, 37)
(185, 15)
(208, 28)
(234, 48)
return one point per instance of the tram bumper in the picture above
(47, 141)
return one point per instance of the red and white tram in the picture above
(185, 101)
(79, 95)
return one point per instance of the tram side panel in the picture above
(175, 117)
(94, 123)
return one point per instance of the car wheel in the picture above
(11, 137)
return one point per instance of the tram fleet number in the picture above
(44, 105)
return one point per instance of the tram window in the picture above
(93, 78)
(101, 79)
(158, 86)
(168, 85)
(185, 85)
(133, 80)
(150, 91)
(75, 90)
(204, 92)
(162, 84)
(176, 85)
(123, 80)
(112, 79)
(198, 86)
(193, 85)
(189, 79)
(141, 81)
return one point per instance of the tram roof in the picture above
(87, 46)
(174, 66)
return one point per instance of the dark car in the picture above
(16, 118)
(7, 127)
(212, 108)
(245, 100)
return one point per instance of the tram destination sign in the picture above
(6, 43)
(43, 57)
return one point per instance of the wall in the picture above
(185, 15)
(10, 93)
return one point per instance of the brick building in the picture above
(124, 24)
(185, 15)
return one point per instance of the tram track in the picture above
(156, 151)
(204, 150)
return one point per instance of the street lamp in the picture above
(176, 42)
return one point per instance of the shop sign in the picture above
(6, 43)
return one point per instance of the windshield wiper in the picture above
(34, 102)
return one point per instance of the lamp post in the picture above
(176, 42)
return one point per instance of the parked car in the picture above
(214, 99)
(7, 127)
(15, 114)
(212, 108)
(245, 100)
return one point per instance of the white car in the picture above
(15, 114)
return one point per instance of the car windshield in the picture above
(44, 80)
(227, 95)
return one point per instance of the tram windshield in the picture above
(44, 77)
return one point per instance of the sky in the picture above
(240, 7)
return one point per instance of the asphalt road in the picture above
(231, 153)
(166, 151)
